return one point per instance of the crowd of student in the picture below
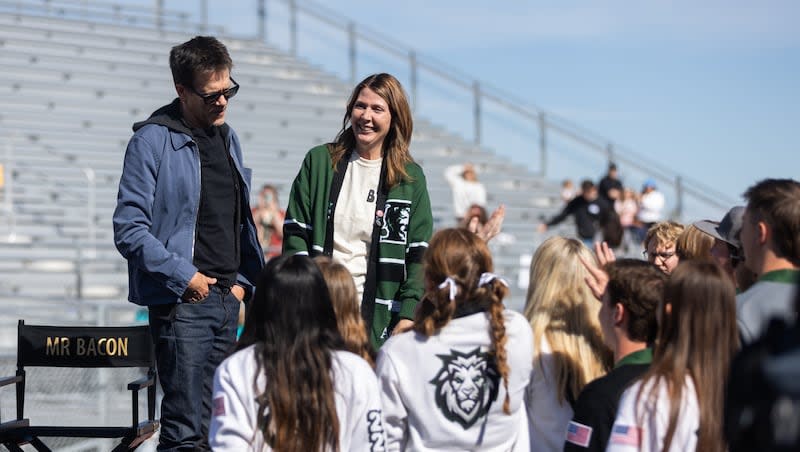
(608, 354)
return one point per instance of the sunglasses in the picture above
(211, 98)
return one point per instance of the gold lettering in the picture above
(91, 349)
(80, 348)
(111, 347)
(52, 345)
(122, 344)
(65, 346)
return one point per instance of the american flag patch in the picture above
(625, 434)
(579, 434)
(219, 406)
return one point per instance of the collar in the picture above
(788, 276)
(644, 356)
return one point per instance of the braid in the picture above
(499, 338)
(434, 311)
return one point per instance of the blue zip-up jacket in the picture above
(155, 219)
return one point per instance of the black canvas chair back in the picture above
(82, 347)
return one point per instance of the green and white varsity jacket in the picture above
(403, 225)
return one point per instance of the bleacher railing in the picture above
(540, 135)
(550, 131)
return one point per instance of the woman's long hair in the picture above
(397, 141)
(560, 308)
(293, 326)
(344, 298)
(461, 255)
(697, 337)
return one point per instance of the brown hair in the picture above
(344, 298)
(199, 55)
(639, 287)
(697, 338)
(461, 255)
(397, 141)
(666, 233)
(294, 344)
(777, 203)
(693, 244)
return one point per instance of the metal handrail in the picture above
(544, 121)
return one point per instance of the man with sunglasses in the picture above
(183, 223)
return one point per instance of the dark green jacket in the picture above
(403, 225)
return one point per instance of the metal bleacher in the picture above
(71, 89)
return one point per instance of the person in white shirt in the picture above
(467, 191)
(678, 403)
(569, 350)
(651, 205)
(456, 381)
(291, 386)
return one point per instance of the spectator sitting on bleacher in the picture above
(269, 221)
(567, 191)
(466, 189)
(651, 203)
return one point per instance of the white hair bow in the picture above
(487, 278)
(453, 287)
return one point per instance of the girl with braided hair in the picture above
(455, 381)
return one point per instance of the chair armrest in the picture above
(147, 380)
(11, 380)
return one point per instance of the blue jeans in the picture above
(191, 340)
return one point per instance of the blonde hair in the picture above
(693, 244)
(561, 309)
(666, 233)
(461, 255)
(397, 141)
(344, 298)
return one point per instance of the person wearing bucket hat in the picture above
(727, 248)
(770, 238)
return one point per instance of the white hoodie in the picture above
(437, 391)
(234, 424)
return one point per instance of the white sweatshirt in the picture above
(437, 392)
(234, 424)
(465, 193)
(547, 416)
(642, 426)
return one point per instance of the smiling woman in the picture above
(364, 202)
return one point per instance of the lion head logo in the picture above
(396, 216)
(466, 386)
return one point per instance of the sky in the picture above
(706, 89)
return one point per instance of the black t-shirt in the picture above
(216, 248)
(596, 407)
(606, 185)
(588, 215)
